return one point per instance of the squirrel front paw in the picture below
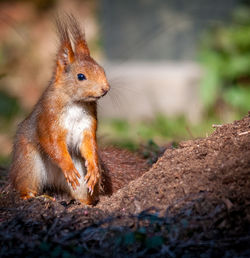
(92, 178)
(27, 195)
(71, 177)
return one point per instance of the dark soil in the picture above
(120, 167)
(193, 202)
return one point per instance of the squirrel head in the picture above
(77, 74)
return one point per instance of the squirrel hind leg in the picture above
(27, 172)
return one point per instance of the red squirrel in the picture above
(55, 145)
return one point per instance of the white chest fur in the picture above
(75, 120)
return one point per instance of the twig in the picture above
(243, 133)
(216, 126)
(189, 132)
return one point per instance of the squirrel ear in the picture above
(65, 54)
(78, 35)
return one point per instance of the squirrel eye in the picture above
(81, 77)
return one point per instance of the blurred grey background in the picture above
(158, 29)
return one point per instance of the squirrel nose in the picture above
(104, 92)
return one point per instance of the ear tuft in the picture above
(65, 54)
(78, 35)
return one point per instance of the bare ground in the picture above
(194, 201)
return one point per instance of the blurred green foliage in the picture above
(160, 130)
(4, 162)
(9, 106)
(225, 90)
(225, 54)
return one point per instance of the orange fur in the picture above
(27, 188)
(58, 138)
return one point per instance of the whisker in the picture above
(116, 80)
(122, 87)
(116, 100)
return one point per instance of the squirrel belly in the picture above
(77, 119)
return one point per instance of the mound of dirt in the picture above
(120, 167)
(218, 165)
(194, 201)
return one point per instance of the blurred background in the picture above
(175, 67)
